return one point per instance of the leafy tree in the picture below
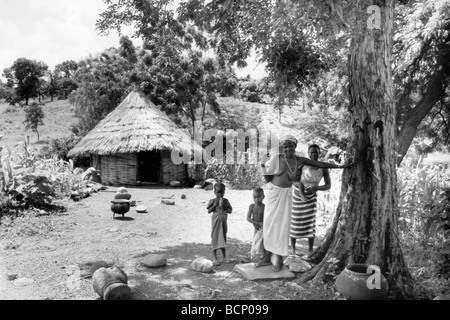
(66, 69)
(422, 72)
(127, 49)
(249, 90)
(420, 69)
(65, 86)
(3, 90)
(63, 77)
(170, 69)
(51, 87)
(24, 75)
(33, 117)
(102, 83)
(227, 82)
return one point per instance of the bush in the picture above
(250, 92)
(240, 176)
(61, 147)
(11, 97)
(424, 218)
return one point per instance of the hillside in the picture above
(58, 118)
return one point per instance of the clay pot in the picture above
(120, 206)
(354, 283)
(111, 284)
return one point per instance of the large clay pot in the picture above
(353, 283)
(111, 284)
(120, 206)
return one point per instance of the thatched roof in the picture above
(136, 125)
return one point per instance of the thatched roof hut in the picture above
(133, 144)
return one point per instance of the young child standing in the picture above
(220, 207)
(255, 216)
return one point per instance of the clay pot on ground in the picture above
(357, 282)
(111, 284)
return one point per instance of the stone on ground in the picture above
(202, 265)
(297, 264)
(23, 282)
(154, 260)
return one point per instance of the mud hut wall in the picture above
(171, 171)
(118, 169)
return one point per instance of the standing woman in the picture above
(281, 173)
(304, 205)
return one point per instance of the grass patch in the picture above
(59, 116)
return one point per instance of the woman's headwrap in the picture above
(288, 138)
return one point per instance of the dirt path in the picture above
(87, 232)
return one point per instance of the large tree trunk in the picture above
(434, 92)
(365, 227)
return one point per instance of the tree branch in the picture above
(434, 91)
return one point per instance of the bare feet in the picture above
(275, 268)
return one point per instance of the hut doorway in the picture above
(149, 166)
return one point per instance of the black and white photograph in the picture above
(233, 157)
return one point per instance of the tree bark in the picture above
(365, 226)
(435, 91)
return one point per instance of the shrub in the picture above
(240, 176)
(33, 117)
(424, 217)
(250, 92)
(61, 147)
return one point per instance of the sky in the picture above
(53, 31)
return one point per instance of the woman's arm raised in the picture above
(322, 164)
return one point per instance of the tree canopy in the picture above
(421, 73)
(24, 75)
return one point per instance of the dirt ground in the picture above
(71, 241)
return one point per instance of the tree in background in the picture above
(24, 76)
(3, 90)
(171, 68)
(127, 49)
(102, 83)
(51, 87)
(33, 117)
(228, 84)
(63, 74)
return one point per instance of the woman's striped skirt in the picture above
(303, 219)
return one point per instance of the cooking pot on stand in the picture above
(120, 206)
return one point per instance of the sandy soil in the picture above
(87, 232)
